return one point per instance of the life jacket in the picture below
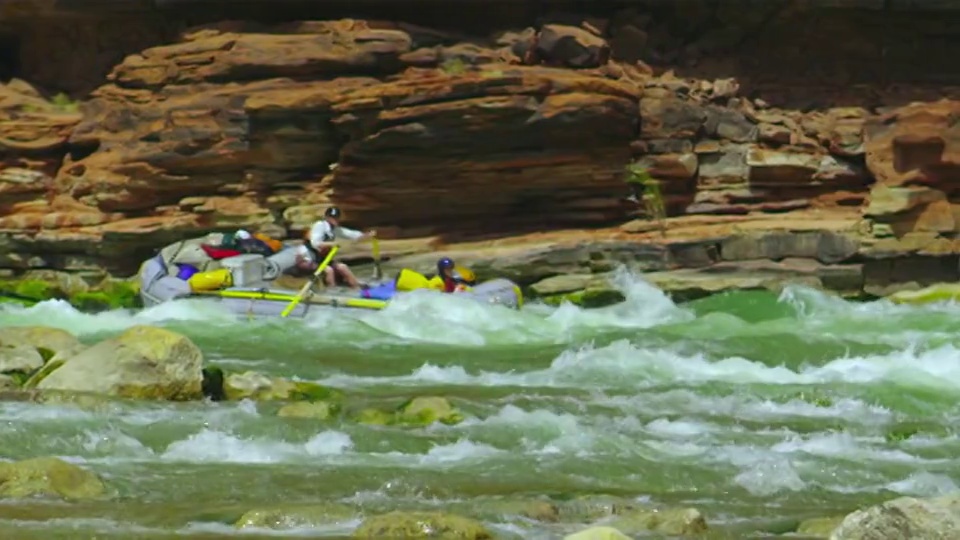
(449, 284)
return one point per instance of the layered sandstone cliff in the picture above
(468, 132)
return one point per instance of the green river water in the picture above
(756, 409)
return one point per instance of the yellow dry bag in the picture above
(211, 281)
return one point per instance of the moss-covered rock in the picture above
(42, 373)
(317, 410)
(32, 290)
(374, 417)
(8, 383)
(425, 410)
(108, 295)
(38, 286)
(144, 362)
(49, 477)
(298, 516)
(259, 387)
(422, 525)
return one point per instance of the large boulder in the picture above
(142, 363)
(48, 477)
(905, 517)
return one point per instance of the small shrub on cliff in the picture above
(63, 103)
(454, 66)
(652, 196)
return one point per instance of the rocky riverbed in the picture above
(49, 368)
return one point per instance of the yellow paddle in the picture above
(377, 272)
(310, 282)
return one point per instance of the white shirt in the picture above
(321, 232)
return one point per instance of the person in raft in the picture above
(451, 278)
(320, 240)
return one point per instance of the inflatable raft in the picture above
(941, 292)
(244, 284)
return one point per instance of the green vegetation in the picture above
(109, 295)
(652, 196)
(62, 103)
(453, 66)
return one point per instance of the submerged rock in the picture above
(425, 410)
(50, 477)
(597, 533)
(670, 521)
(143, 363)
(297, 516)
(422, 525)
(935, 518)
(821, 527)
(419, 411)
(374, 417)
(259, 387)
(631, 518)
(317, 410)
(508, 509)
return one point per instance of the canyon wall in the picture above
(178, 118)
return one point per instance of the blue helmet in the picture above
(444, 264)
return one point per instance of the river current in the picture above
(754, 408)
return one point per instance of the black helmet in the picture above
(444, 263)
(333, 212)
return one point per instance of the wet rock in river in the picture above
(671, 521)
(597, 533)
(819, 527)
(499, 510)
(49, 477)
(317, 410)
(905, 517)
(7, 383)
(24, 349)
(298, 516)
(425, 410)
(422, 525)
(142, 363)
(631, 518)
(260, 387)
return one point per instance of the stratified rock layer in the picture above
(435, 138)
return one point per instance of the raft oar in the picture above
(377, 272)
(306, 286)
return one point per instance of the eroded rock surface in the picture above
(435, 136)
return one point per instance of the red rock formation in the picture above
(247, 125)
(914, 153)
